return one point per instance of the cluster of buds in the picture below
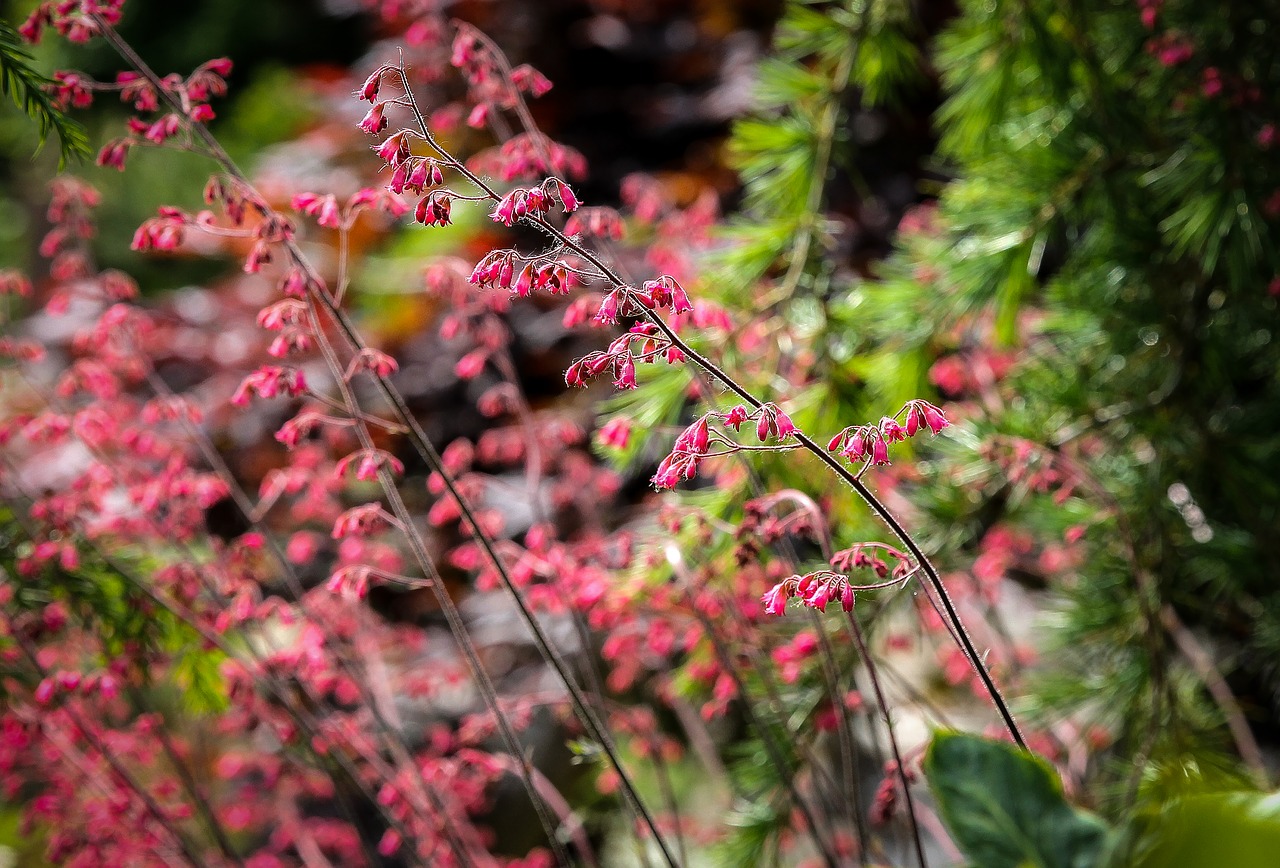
(621, 301)
(165, 232)
(293, 431)
(235, 200)
(408, 172)
(618, 357)
(866, 556)
(192, 93)
(529, 155)
(328, 212)
(534, 202)
(324, 208)
(596, 222)
(490, 88)
(351, 582)
(268, 382)
(374, 361)
(71, 20)
(690, 448)
(273, 230)
(696, 442)
(415, 175)
(617, 360)
(70, 90)
(363, 520)
(498, 269)
(368, 462)
(434, 208)
(820, 587)
(861, 443)
(815, 590)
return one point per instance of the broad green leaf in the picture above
(1240, 830)
(1004, 807)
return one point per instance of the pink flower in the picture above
(479, 116)
(524, 282)
(389, 844)
(785, 427)
(735, 417)
(369, 90)
(567, 199)
(615, 433)
(625, 372)
(471, 365)
(609, 307)
(113, 154)
(891, 431)
(395, 149)
(775, 600)
(44, 692)
(528, 79)
(361, 521)
(695, 438)
(374, 121)
(575, 375)
(879, 451)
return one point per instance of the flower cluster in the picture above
(697, 441)
(534, 202)
(870, 443)
(499, 269)
(820, 587)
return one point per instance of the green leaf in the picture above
(25, 85)
(1239, 829)
(1004, 807)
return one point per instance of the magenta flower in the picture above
(369, 90)
(567, 199)
(374, 121)
(735, 417)
(775, 600)
(891, 431)
(434, 209)
(615, 433)
(395, 149)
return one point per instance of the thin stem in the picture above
(430, 455)
(425, 563)
(193, 787)
(853, 481)
(872, 675)
(771, 746)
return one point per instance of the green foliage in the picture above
(1106, 220)
(1004, 807)
(26, 86)
(1239, 829)
(107, 600)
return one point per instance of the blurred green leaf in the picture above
(1004, 807)
(1240, 830)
